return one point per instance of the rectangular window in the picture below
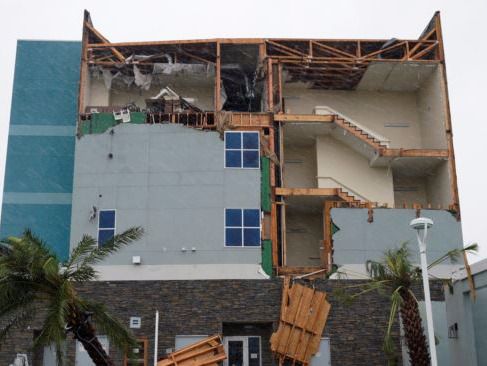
(242, 150)
(140, 354)
(242, 227)
(106, 226)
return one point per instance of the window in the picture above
(242, 350)
(140, 354)
(106, 226)
(242, 227)
(242, 150)
(182, 341)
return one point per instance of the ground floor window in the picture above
(182, 341)
(140, 354)
(242, 351)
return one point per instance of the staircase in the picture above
(361, 134)
(347, 197)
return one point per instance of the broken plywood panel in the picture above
(207, 352)
(304, 312)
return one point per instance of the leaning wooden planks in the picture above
(304, 312)
(207, 352)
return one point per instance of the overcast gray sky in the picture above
(464, 31)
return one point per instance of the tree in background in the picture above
(396, 275)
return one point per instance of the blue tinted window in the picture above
(106, 226)
(251, 218)
(233, 159)
(107, 219)
(233, 217)
(233, 237)
(250, 159)
(242, 232)
(233, 140)
(242, 150)
(252, 237)
(251, 140)
(104, 235)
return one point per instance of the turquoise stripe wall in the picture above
(40, 154)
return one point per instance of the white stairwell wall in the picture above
(352, 172)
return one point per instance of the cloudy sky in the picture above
(464, 30)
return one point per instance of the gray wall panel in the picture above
(169, 179)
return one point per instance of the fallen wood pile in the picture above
(207, 352)
(304, 312)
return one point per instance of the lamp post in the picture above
(421, 225)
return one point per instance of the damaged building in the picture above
(246, 161)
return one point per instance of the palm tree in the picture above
(396, 275)
(33, 281)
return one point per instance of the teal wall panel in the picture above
(49, 222)
(40, 152)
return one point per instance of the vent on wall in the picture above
(135, 322)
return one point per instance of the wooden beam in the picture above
(287, 50)
(303, 118)
(270, 91)
(327, 234)
(415, 153)
(333, 50)
(115, 52)
(281, 191)
(279, 85)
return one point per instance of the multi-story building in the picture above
(244, 160)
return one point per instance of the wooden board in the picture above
(304, 312)
(207, 352)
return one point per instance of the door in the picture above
(323, 356)
(242, 351)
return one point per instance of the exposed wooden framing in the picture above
(274, 235)
(218, 78)
(198, 58)
(270, 88)
(423, 52)
(279, 85)
(303, 118)
(83, 66)
(287, 50)
(448, 123)
(332, 50)
(411, 153)
(115, 52)
(283, 235)
(327, 236)
(281, 191)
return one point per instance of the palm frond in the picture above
(83, 273)
(53, 329)
(86, 245)
(453, 255)
(113, 245)
(117, 333)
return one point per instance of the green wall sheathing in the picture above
(100, 122)
(267, 256)
(265, 190)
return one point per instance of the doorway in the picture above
(242, 350)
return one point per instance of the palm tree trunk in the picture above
(413, 330)
(85, 333)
